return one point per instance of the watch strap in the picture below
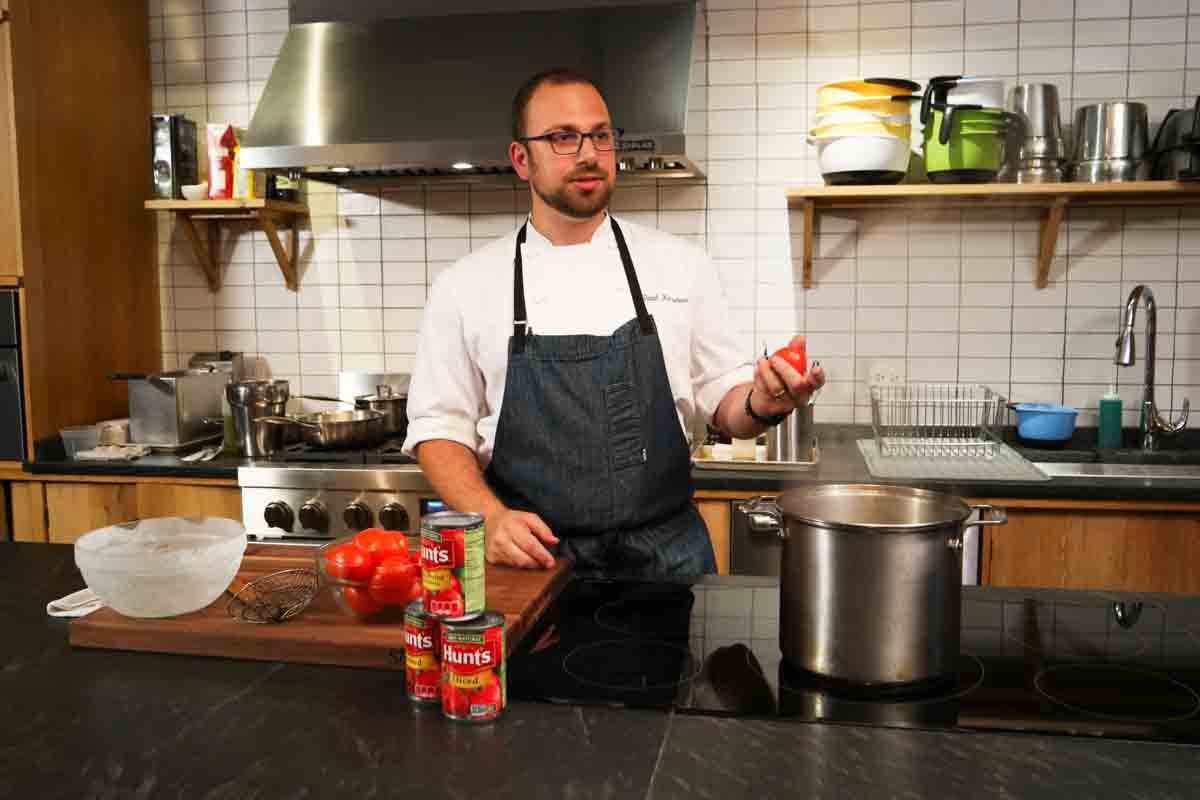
(761, 420)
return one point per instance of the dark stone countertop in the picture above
(841, 462)
(90, 723)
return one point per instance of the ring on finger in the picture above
(782, 393)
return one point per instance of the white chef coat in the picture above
(462, 353)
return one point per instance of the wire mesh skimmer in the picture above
(935, 419)
(274, 598)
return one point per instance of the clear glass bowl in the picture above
(161, 567)
(354, 597)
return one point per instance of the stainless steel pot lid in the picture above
(886, 509)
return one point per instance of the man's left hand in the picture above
(779, 388)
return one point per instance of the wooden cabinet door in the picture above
(1136, 551)
(173, 500)
(716, 519)
(10, 216)
(73, 509)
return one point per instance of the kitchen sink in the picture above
(1184, 473)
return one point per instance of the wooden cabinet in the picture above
(1089, 546)
(63, 510)
(716, 519)
(178, 500)
(10, 223)
(74, 172)
(73, 509)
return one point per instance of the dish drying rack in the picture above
(945, 420)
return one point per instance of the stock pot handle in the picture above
(763, 516)
(999, 515)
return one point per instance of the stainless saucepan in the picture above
(386, 400)
(871, 581)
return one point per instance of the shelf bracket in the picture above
(809, 233)
(1048, 240)
(287, 263)
(206, 248)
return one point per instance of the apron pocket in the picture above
(624, 425)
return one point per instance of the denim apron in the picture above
(588, 439)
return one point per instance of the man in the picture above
(554, 377)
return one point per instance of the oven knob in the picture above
(357, 516)
(314, 516)
(394, 517)
(279, 515)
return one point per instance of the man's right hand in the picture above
(516, 538)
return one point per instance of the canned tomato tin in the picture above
(422, 655)
(473, 686)
(452, 563)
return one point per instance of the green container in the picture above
(970, 153)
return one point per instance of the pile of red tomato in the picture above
(379, 562)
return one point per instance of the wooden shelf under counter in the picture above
(269, 215)
(1052, 198)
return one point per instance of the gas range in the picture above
(302, 495)
(1041, 661)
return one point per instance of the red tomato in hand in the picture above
(381, 545)
(392, 581)
(347, 561)
(360, 600)
(794, 356)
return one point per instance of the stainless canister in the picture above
(250, 401)
(870, 586)
(791, 440)
(1111, 143)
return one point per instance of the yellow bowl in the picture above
(838, 92)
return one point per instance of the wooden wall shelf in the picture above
(1053, 198)
(270, 215)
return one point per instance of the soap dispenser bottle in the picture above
(1110, 420)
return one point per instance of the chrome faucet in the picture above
(1152, 423)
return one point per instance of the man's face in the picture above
(578, 186)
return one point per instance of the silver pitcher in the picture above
(250, 401)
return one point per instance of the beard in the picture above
(573, 201)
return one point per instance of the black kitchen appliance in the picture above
(1037, 661)
(173, 142)
(12, 413)
(1175, 153)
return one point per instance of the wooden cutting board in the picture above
(322, 634)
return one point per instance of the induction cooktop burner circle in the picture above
(632, 665)
(970, 677)
(1116, 692)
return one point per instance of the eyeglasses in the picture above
(570, 143)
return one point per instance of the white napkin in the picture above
(113, 452)
(76, 604)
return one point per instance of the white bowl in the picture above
(985, 92)
(161, 567)
(194, 191)
(863, 154)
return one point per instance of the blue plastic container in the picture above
(1045, 422)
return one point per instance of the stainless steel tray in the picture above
(179, 448)
(761, 466)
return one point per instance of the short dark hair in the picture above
(559, 76)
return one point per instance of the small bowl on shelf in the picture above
(194, 191)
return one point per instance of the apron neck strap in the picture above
(520, 317)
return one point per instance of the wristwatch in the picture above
(761, 420)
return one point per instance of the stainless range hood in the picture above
(425, 96)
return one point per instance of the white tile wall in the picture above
(921, 296)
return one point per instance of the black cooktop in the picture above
(1062, 662)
